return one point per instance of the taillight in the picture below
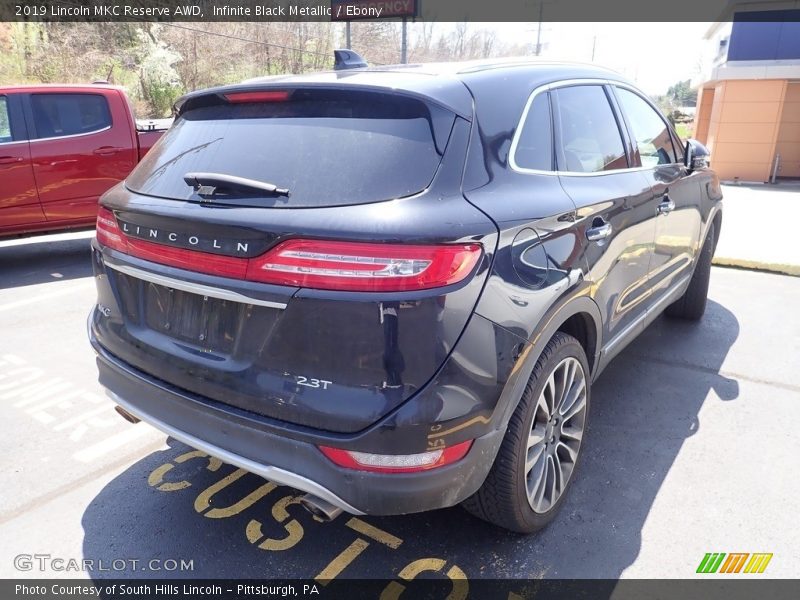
(396, 463)
(263, 96)
(317, 264)
(364, 267)
(108, 232)
(191, 260)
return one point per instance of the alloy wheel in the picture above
(556, 433)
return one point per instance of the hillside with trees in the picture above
(156, 63)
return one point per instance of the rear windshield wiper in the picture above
(209, 184)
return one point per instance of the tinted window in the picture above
(327, 147)
(5, 121)
(590, 138)
(57, 115)
(649, 130)
(535, 143)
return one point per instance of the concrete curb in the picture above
(756, 265)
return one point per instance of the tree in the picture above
(158, 78)
(156, 62)
(681, 94)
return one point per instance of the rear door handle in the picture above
(599, 230)
(10, 160)
(666, 206)
(107, 151)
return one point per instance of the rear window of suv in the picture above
(327, 147)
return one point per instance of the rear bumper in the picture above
(248, 441)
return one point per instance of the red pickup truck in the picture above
(61, 147)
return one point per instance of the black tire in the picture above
(503, 498)
(692, 304)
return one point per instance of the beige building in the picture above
(748, 105)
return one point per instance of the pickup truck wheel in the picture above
(536, 461)
(692, 304)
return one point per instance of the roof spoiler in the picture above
(347, 59)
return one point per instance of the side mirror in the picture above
(696, 155)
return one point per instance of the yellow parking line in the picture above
(203, 501)
(156, 479)
(340, 563)
(296, 532)
(379, 535)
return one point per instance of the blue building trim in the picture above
(765, 35)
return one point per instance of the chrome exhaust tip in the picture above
(126, 415)
(322, 509)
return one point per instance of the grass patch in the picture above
(684, 130)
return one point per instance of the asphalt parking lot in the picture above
(692, 448)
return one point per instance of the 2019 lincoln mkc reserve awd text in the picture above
(391, 288)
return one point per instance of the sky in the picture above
(653, 55)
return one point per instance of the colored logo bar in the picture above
(735, 562)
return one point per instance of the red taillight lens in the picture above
(264, 96)
(108, 232)
(397, 463)
(191, 260)
(318, 264)
(364, 267)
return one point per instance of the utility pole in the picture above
(347, 35)
(539, 30)
(404, 43)
(538, 49)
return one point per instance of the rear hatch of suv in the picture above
(300, 253)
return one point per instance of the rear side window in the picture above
(5, 121)
(648, 128)
(327, 147)
(534, 149)
(58, 115)
(590, 139)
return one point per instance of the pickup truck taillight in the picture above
(317, 264)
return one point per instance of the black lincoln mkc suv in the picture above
(391, 288)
